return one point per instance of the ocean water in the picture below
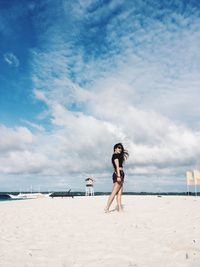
(4, 196)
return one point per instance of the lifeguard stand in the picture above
(89, 187)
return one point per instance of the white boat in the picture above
(28, 195)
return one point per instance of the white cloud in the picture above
(34, 125)
(15, 139)
(11, 59)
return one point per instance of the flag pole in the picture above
(195, 186)
(187, 189)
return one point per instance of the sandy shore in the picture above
(152, 231)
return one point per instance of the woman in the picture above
(118, 157)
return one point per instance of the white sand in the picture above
(152, 231)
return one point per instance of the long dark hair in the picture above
(124, 153)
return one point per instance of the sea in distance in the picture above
(5, 196)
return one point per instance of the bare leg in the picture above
(115, 190)
(119, 198)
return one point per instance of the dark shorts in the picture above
(115, 176)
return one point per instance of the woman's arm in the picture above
(117, 169)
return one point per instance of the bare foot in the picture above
(120, 210)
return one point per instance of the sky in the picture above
(77, 77)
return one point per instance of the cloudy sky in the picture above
(79, 76)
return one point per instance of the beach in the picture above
(152, 231)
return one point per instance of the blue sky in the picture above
(79, 76)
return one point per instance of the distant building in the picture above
(89, 187)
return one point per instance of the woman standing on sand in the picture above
(118, 157)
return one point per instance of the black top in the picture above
(120, 158)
